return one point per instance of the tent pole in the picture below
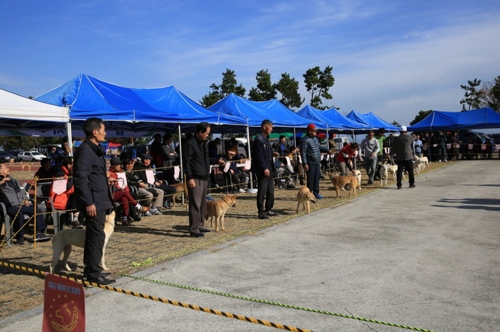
(249, 154)
(180, 157)
(70, 138)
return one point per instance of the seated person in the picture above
(156, 183)
(238, 177)
(282, 174)
(44, 173)
(146, 194)
(66, 200)
(15, 199)
(122, 194)
(293, 155)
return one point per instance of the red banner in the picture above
(64, 305)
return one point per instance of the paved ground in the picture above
(426, 257)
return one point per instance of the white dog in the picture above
(357, 174)
(65, 239)
(384, 174)
(423, 160)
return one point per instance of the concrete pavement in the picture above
(426, 257)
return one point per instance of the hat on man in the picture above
(146, 156)
(403, 129)
(311, 126)
(115, 161)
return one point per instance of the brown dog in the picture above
(305, 197)
(179, 189)
(340, 181)
(218, 210)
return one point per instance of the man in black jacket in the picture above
(93, 197)
(196, 165)
(263, 167)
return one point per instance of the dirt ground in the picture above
(152, 241)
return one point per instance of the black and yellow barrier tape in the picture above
(283, 305)
(163, 300)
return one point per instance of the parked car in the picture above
(30, 156)
(6, 156)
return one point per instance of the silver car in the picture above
(30, 156)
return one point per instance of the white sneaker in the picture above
(147, 214)
(241, 190)
(156, 212)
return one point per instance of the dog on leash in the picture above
(217, 209)
(424, 160)
(357, 174)
(340, 181)
(305, 197)
(384, 174)
(65, 239)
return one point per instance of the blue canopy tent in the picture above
(255, 112)
(131, 108)
(482, 118)
(371, 120)
(332, 118)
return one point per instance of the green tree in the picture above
(265, 90)
(229, 85)
(289, 89)
(318, 83)
(471, 97)
(490, 94)
(420, 116)
(395, 123)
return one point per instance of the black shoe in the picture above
(263, 216)
(196, 234)
(42, 237)
(20, 242)
(105, 274)
(272, 214)
(203, 230)
(126, 223)
(136, 218)
(102, 281)
(399, 187)
(412, 186)
(370, 182)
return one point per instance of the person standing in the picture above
(402, 149)
(93, 197)
(379, 136)
(310, 152)
(197, 170)
(263, 168)
(418, 145)
(370, 149)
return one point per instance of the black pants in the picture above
(313, 175)
(197, 205)
(265, 192)
(408, 165)
(94, 241)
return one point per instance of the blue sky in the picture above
(393, 58)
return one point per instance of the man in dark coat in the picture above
(196, 163)
(263, 167)
(402, 149)
(93, 197)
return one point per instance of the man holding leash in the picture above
(93, 197)
(263, 167)
(197, 170)
(402, 149)
(310, 152)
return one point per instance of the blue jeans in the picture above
(313, 175)
(18, 223)
(371, 167)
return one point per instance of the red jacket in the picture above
(345, 154)
(61, 200)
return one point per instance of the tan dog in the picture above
(305, 197)
(65, 239)
(26, 167)
(218, 210)
(179, 189)
(340, 181)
